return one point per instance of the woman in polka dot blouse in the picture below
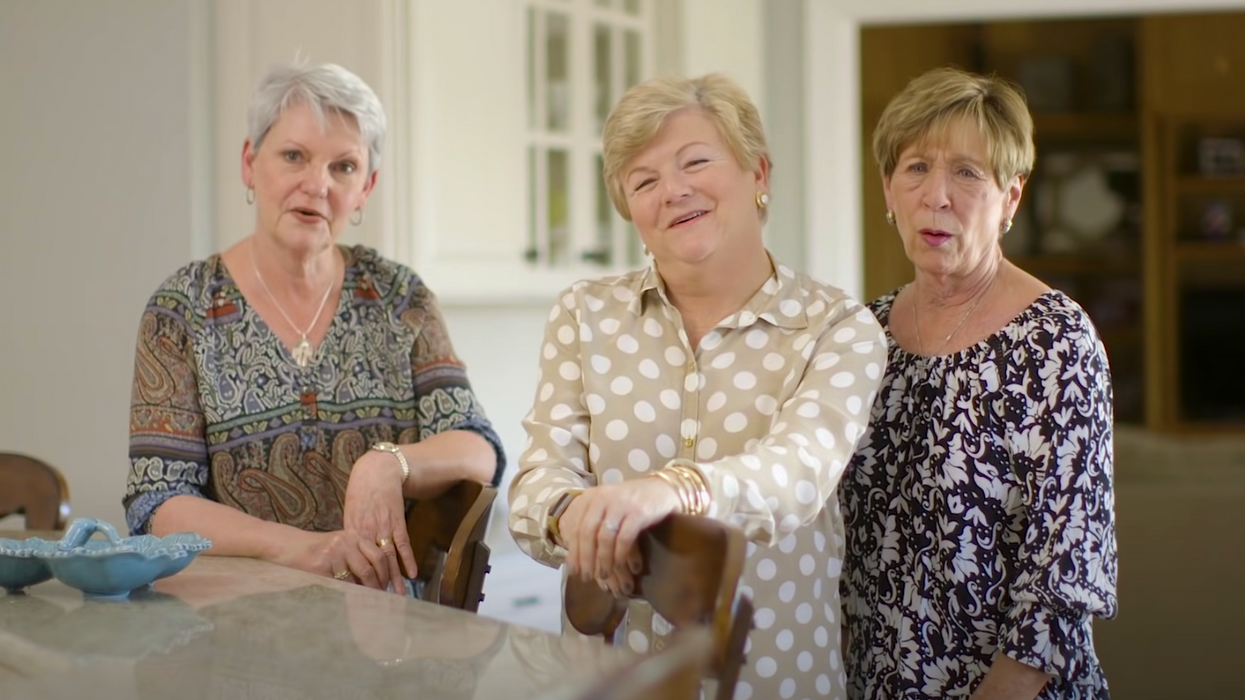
(716, 381)
(981, 536)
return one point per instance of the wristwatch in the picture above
(555, 514)
(396, 452)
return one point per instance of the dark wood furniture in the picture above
(447, 537)
(691, 573)
(35, 489)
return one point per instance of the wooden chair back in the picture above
(691, 572)
(674, 672)
(447, 537)
(35, 489)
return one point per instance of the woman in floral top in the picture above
(979, 507)
(716, 374)
(291, 393)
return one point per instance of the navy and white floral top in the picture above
(980, 512)
(221, 411)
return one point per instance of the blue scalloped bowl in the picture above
(20, 565)
(113, 568)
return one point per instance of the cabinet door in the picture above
(1195, 63)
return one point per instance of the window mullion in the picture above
(582, 127)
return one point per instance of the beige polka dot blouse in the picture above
(768, 408)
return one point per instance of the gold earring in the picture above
(357, 217)
(762, 200)
(890, 217)
(1005, 226)
(250, 195)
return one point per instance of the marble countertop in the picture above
(241, 628)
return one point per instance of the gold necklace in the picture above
(920, 346)
(302, 352)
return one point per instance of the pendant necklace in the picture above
(303, 351)
(920, 346)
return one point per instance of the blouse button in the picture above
(689, 442)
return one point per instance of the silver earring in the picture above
(357, 217)
(890, 217)
(250, 195)
(1005, 226)
(762, 200)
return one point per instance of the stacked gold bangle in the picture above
(690, 485)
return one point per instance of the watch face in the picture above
(385, 447)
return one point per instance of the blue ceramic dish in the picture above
(113, 567)
(21, 565)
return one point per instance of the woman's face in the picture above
(308, 181)
(948, 208)
(688, 196)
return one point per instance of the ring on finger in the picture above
(383, 542)
(342, 575)
(610, 526)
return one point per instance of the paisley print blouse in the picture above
(219, 409)
(980, 512)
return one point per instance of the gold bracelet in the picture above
(689, 484)
(679, 491)
(700, 490)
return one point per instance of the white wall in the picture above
(102, 195)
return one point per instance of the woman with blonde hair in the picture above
(716, 381)
(980, 530)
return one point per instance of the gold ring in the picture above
(383, 542)
(342, 575)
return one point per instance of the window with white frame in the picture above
(581, 56)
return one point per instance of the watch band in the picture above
(396, 452)
(555, 514)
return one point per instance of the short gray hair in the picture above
(322, 88)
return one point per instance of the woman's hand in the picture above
(375, 509)
(600, 527)
(344, 555)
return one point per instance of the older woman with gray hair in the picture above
(980, 523)
(716, 381)
(292, 392)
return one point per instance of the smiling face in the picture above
(688, 196)
(948, 207)
(309, 180)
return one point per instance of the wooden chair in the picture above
(674, 672)
(690, 576)
(447, 537)
(34, 489)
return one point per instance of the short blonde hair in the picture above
(639, 115)
(934, 100)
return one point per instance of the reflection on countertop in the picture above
(235, 628)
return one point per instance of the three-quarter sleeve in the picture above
(1062, 451)
(168, 444)
(444, 398)
(555, 459)
(785, 478)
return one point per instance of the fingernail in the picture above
(627, 587)
(603, 586)
(635, 566)
(603, 573)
